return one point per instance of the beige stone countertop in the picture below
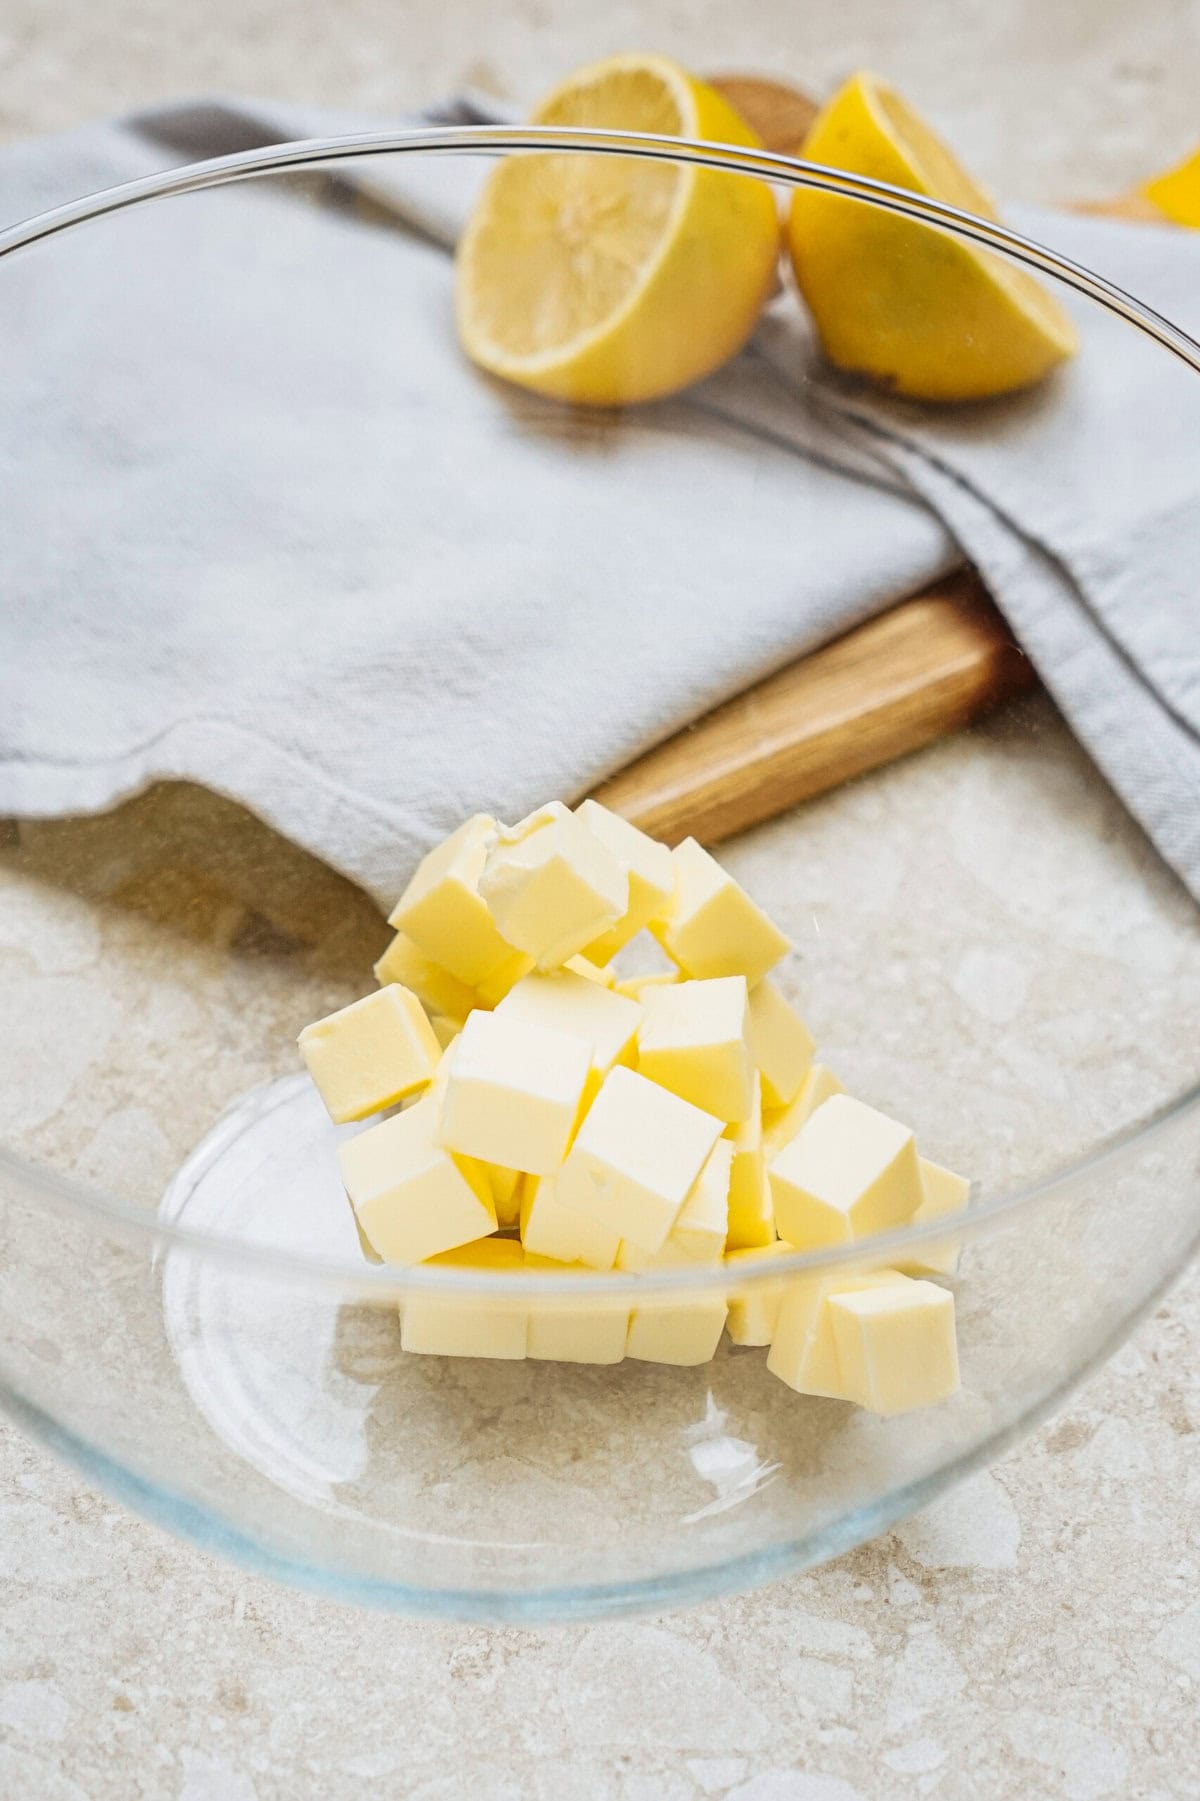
(1037, 1631)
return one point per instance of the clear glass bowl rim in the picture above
(369, 1282)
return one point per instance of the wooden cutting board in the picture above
(931, 665)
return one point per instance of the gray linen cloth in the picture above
(266, 529)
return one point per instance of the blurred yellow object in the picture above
(921, 313)
(1177, 193)
(606, 279)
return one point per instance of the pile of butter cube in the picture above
(546, 1113)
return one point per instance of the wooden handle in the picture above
(927, 667)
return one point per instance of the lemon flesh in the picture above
(922, 313)
(607, 280)
(1176, 194)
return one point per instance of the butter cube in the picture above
(781, 1044)
(505, 1185)
(944, 1193)
(635, 1157)
(566, 1002)
(555, 1232)
(442, 911)
(411, 1197)
(551, 886)
(468, 1325)
(803, 1349)
(751, 1210)
(849, 1172)
(499, 981)
(698, 1235)
(754, 1310)
(591, 1329)
(646, 863)
(370, 1054)
(695, 1041)
(437, 990)
(782, 1125)
(896, 1345)
(686, 1331)
(513, 1093)
(710, 926)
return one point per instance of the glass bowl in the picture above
(986, 946)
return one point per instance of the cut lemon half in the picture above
(923, 313)
(607, 279)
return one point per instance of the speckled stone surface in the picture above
(1037, 1631)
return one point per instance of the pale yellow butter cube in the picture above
(803, 1349)
(710, 926)
(781, 1044)
(685, 1332)
(896, 1345)
(591, 1329)
(438, 991)
(850, 1171)
(781, 1125)
(551, 886)
(469, 1325)
(637, 987)
(646, 863)
(635, 1157)
(944, 1193)
(411, 1197)
(751, 1211)
(371, 1054)
(701, 1225)
(513, 1093)
(567, 1002)
(550, 1230)
(695, 1041)
(605, 976)
(442, 911)
(698, 1235)
(754, 1310)
(499, 981)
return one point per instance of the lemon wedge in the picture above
(607, 280)
(1176, 194)
(927, 315)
